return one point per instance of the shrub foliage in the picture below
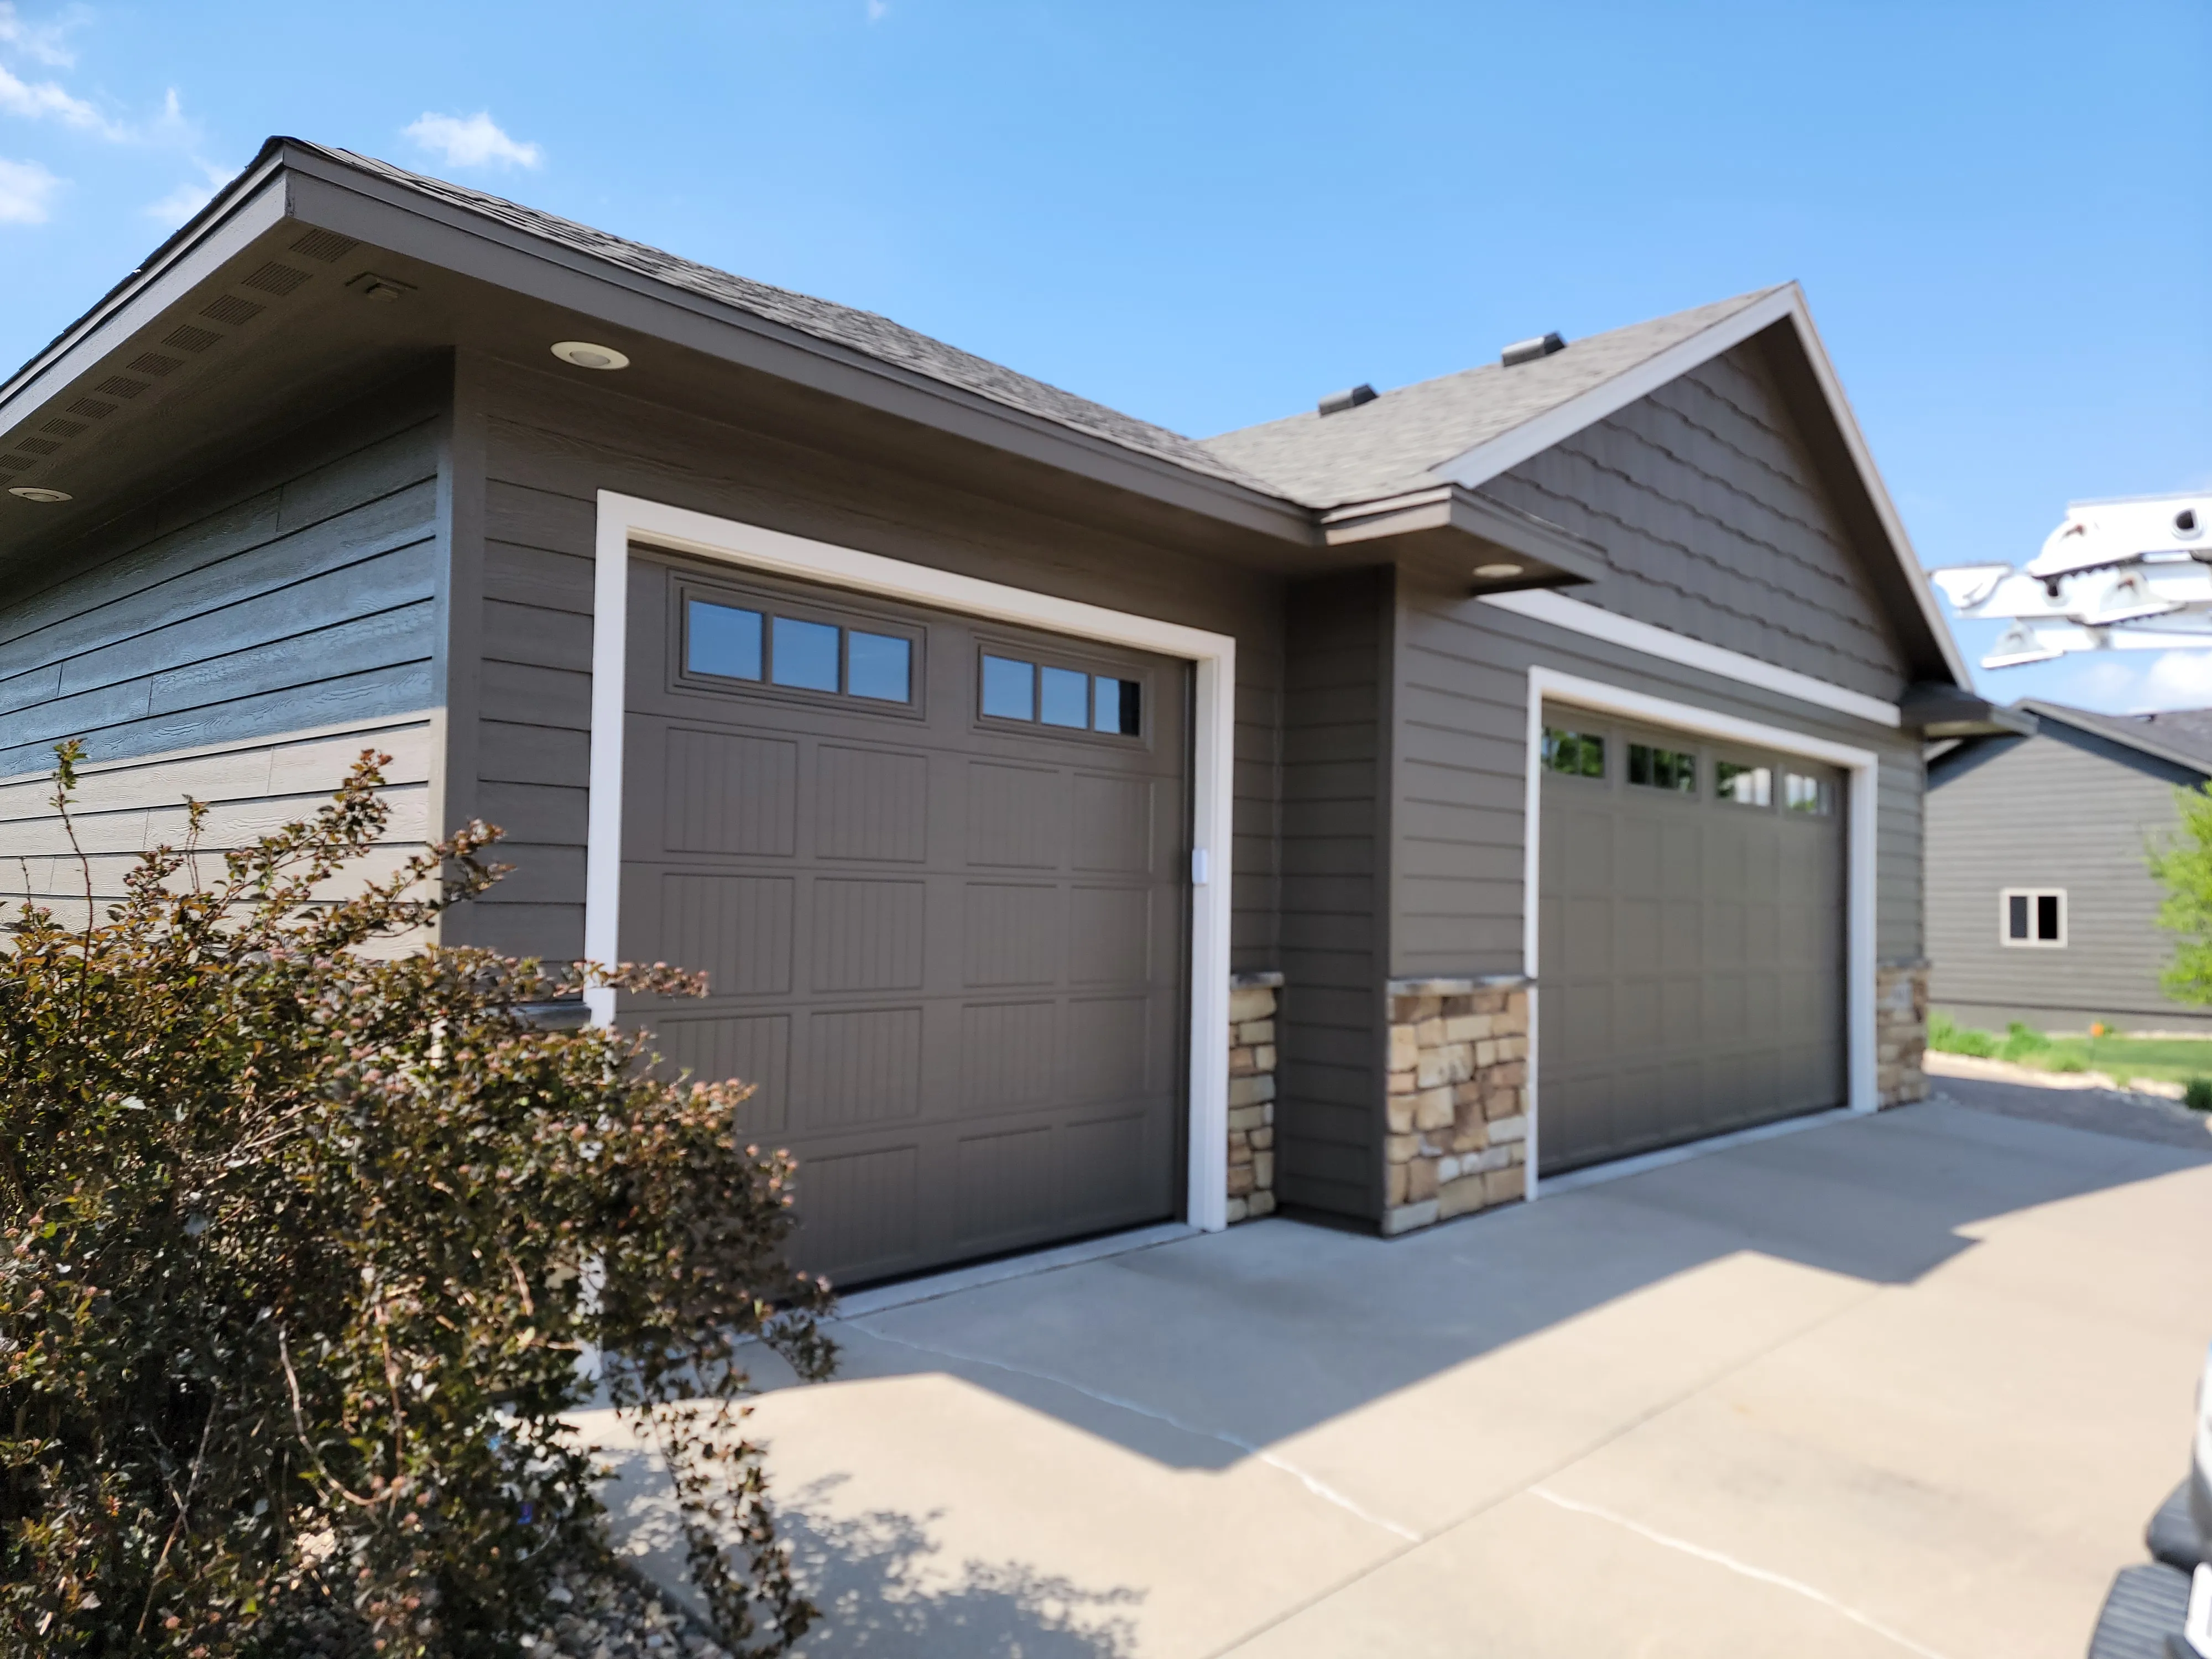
(306, 1250)
(2183, 864)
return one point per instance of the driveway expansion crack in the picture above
(1312, 1482)
(1795, 1586)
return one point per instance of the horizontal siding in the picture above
(2051, 810)
(241, 647)
(1716, 525)
(1461, 778)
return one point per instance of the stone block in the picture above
(1507, 1128)
(1517, 1006)
(1240, 1063)
(1487, 1054)
(1504, 1186)
(1240, 1146)
(1248, 1118)
(1468, 1028)
(1398, 1113)
(1458, 1197)
(1263, 1057)
(1263, 1140)
(1510, 1075)
(1402, 1083)
(1250, 1090)
(1393, 1185)
(1407, 1218)
(1257, 1032)
(1262, 1204)
(1501, 1103)
(1433, 1108)
(1447, 1171)
(1420, 1180)
(1240, 1180)
(1470, 1133)
(1399, 1149)
(1429, 1032)
(1513, 1048)
(1489, 1002)
(1404, 1048)
(1237, 1211)
(1252, 1003)
(1263, 1170)
(1491, 1158)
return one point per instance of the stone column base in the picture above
(1901, 1031)
(1458, 1099)
(1252, 1003)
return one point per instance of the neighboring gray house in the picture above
(1084, 826)
(2041, 905)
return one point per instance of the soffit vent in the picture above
(1337, 402)
(14, 463)
(37, 446)
(188, 338)
(325, 245)
(1526, 351)
(277, 279)
(228, 308)
(93, 407)
(153, 362)
(62, 429)
(118, 386)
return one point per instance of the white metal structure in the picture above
(2132, 575)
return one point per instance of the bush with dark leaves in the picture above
(309, 1240)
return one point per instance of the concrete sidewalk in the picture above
(1901, 1385)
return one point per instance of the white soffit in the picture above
(1476, 467)
(1539, 604)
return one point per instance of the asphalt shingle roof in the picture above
(863, 331)
(2184, 733)
(1389, 445)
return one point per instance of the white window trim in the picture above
(1862, 1087)
(1580, 616)
(2005, 897)
(623, 519)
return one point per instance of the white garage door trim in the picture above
(626, 518)
(1549, 683)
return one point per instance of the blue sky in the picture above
(1210, 212)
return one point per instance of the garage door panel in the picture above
(1691, 952)
(871, 804)
(951, 951)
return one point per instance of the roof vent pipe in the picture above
(1526, 351)
(1337, 402)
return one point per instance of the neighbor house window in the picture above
(1801, 793)
(2033, 915)
(1578, 754)
(1662, 768)
(1747, 785)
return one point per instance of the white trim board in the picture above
(1484, 461)
(1579, 617)
(623, 519)
(1862, 1087)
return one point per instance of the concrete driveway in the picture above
(1901, 1385)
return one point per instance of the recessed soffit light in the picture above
(588, 354)
(35, 493)
(1498, 570)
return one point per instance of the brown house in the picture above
(1084, 826)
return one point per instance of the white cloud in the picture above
(2176, 679)
(188, 199)
(474, 142)
(24, 189)
(878, 9)
(44, 99)
(42, 43)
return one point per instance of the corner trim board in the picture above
(1580, 616)
(623, 519)
(1861, 1085)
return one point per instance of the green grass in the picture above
(2170, 1060)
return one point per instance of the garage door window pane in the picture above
(1115, 706)
(1662, 768)
(1747, 785)
(1064, 698)
(1578, 754)
(1802, 794)
(720, 639)
(879, 666)
(803, 655)
(1008, 688)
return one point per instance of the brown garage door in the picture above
(1691, 952)
(936, 870)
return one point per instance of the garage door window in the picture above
(1044, 694)
(732, 642)
(1575, 754)
(1801, 793)
(1662, 768)
(1747, 785)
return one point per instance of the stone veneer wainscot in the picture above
(1458, 1100)
(1900, 1032)
(1252, 1008)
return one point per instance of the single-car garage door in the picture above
(1692, 951)
(937, 870)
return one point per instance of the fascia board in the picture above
(255, 204)
(1449, 507)
(444, 234)
(1476, 467)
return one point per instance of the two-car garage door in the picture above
(936, 870)
(1692, 938)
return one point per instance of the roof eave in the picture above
(2143, 743)
(1451, 529)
